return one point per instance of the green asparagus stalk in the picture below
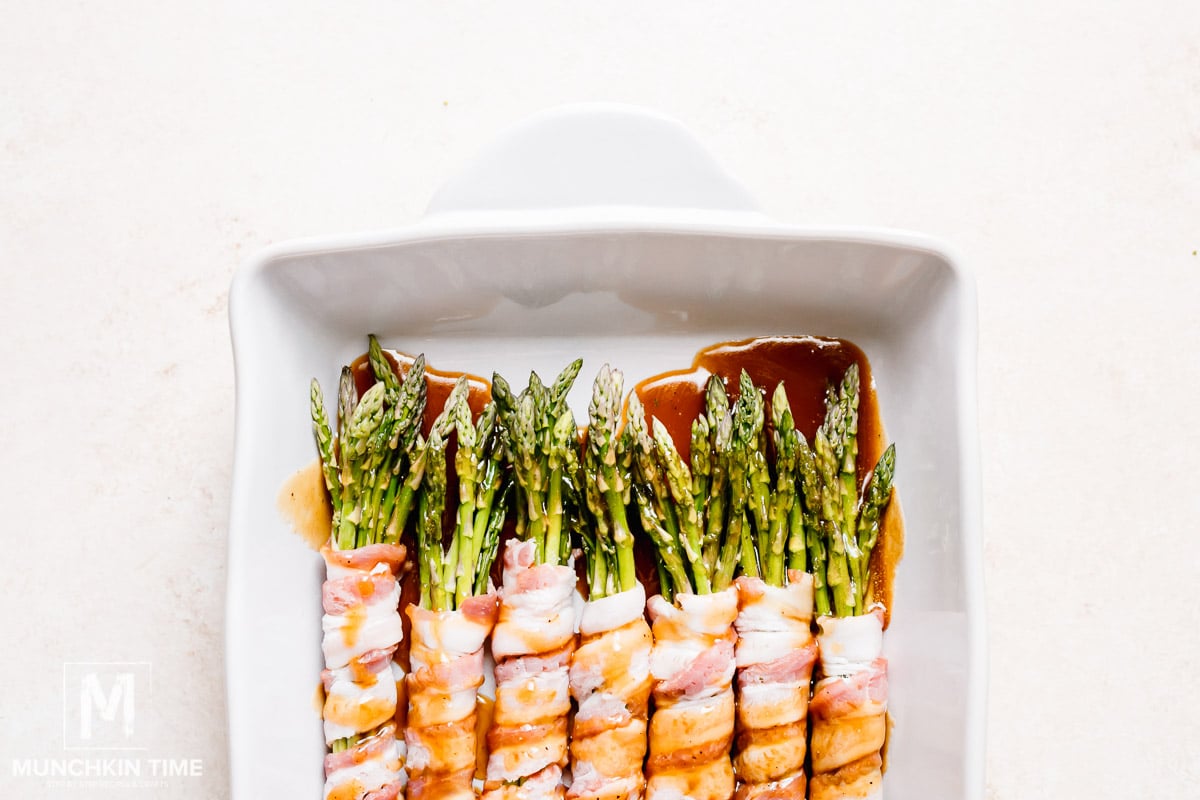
(679, 483)
(783, 541)
(541, 443)
(744, 482)
(673, 576)
(363, 465)
(814, 535)
(720, 428)
(432, 505)
(877, 495)
(848, 396)
(608, 463)
(656, 509)
(842, 527)
(694, 511)
(325, 447)
(490, 542)
(838, 573)
(752, 418)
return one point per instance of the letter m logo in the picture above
(93, 700)
(100, 704)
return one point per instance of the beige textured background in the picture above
(147, 148)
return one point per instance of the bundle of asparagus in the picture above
(775, 649)
(535, 636)
(458, 604)
(372, 468)
(849, 704)
(610, 670)
(698, 540)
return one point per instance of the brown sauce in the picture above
(304, 503)
(805, 365)
(484, 710)
(438, 384)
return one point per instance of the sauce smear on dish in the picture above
(805, 365)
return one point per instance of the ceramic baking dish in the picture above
(605, 232)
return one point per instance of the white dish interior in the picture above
(643, 288)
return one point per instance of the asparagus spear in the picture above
(432, 505)
(720, 428)
(460, 570)
(363, 465)
(746, 495)
(875, 498)
(786, 532)
(814, 536)
(842, 527)
(409, 412)
(848, 450)
(758, 475)
(679, 483)
(325, 447)
(541, 444)
(608, 464)
(655, 507)
(698, 551)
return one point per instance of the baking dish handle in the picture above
(590, 155)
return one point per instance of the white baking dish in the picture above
(606, 232)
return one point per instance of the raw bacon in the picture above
(849, 709)
(362, 629)
(371, 770)
(531, 644)
(447, 670)
(775, 658)
(692, 664)
(610, 681)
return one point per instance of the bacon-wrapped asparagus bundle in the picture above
(775, 650)
(692, 664)
(849, 709)
(775, 658)
(535, 635)
(692, 727)
(362, 630)
(610, 671)
(849, 704)
(364, 470)
(368, 769)
(457, 607)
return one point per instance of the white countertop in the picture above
(146, 149)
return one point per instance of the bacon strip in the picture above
(692, 727)
(447, 671)
(532, 644)
(775, 657)
(610, 681)
(849, 709)
(362, 629)
(371, 770)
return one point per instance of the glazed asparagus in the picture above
(694, 513)
(458, 605)
(535, 636)
(849, 703)
(370, 469)
(775, 651)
